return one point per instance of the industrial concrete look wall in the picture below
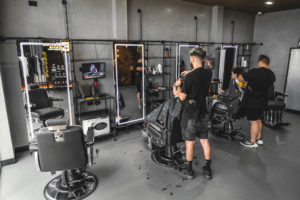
(279, 31)
(98, 19)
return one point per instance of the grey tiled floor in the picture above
(269, 173)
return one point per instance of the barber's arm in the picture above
(184, 73)
(177, 91)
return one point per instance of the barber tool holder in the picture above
(165, 154)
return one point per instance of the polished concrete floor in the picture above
(126, 171)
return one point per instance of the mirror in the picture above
(183, 58)
(46, 83)
(228, 59)
(129, 79)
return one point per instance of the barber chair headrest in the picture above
(57, 124)
(221, 106)
(33, 86)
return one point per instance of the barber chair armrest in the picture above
(33, 147)
(32, 105)
(90, 137)
(55, 99)
(279, 96)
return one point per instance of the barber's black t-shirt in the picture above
(259, 80)
(196, 84)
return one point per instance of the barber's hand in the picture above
(215, 96)
(207, 62)
(221, 91)
(184, 73)
(175, 91)
(178, 82)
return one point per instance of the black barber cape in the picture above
(168, 115)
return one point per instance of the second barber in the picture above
(194, 119)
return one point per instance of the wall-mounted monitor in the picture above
(93, 70)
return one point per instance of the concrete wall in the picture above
(162, 20)
(243, 28)
(279, 31)
(7, 155)
(168, 20)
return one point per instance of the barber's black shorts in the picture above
(253, 114)
(195, 128)
(139, 85)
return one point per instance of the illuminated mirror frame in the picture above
(24, 67)
(117, 84)
(178, 56)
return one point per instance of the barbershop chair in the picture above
(163, 142)
(42, 105)
(272, 115)
(221, 121)
(59, 147)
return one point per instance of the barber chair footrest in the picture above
(234, 136)
(277, 124)
(160, 157)
(78, 189)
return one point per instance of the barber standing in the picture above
(260, 80)
(194, 119)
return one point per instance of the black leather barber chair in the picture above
(163, 133)
(42, 105)
(222, 120)
(59, 147)
(272, 115)
(163, 142)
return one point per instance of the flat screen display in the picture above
(93, 70)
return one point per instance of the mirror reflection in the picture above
(129, 70)
(43, 68)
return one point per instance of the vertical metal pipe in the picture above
(141, 24)
(64, 2)
(232, 31)
(196, 28)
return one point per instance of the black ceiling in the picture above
(253, 6)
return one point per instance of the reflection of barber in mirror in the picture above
(184, 73)
(138, 79)
(194, 118)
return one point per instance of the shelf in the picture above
(161, 57)
(161, 90)
(155, 75)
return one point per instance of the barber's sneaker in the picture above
(140, 106)
(206, 172)
(187, 173)
(249, 144)
(260, 141)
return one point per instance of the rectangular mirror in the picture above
(228, 59)
(130, 85)
(183, 58)
(45, 83)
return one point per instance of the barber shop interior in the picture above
(143, 100)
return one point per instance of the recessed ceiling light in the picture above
(269, 2)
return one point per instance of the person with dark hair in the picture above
(138, 79)
(194, 117)
(233, 94)
(259, 80)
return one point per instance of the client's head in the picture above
(237, 73)
(197, 56)
(263, 61)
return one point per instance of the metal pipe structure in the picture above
(127, 41)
